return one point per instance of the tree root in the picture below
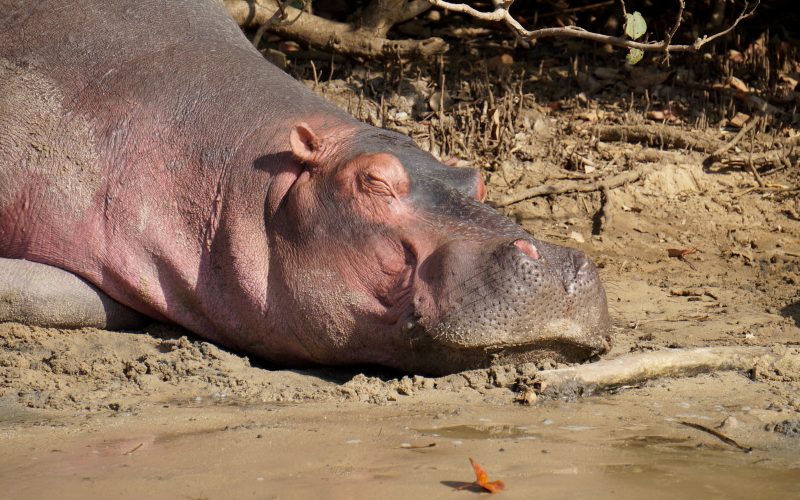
(783, 153)
(367, 41)
(569, 187)
(634, 369)
(655, 135)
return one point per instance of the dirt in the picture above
(160, 413)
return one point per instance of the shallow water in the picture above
(622, 446)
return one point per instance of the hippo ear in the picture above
(305, 143)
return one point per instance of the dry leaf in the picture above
(589, 115)
(554, 105)
(790, 80)
(739, 120)
(482, 479)
(735, 56)
(738, 84)
(500, 63)
(663, 115)
(575, 235)
(680, 252)
(288, 46)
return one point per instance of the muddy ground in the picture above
(159, 413)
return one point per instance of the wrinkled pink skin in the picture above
(234, 202)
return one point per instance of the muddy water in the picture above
(630, 445)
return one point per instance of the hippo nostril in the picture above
(581, 274)
(527, 248)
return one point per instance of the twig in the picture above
(278, 17)
(132, 451)
(750, 164)
(624, 10)
(768, 189)
(722, 437)
(730, 144)
(501, 14)
(678, 20)
(569, 187)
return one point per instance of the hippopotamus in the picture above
(154, 166)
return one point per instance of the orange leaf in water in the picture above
(482, 479)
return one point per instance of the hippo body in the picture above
(149, 151)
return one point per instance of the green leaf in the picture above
(635, 26)
(634, 56)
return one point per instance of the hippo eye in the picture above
(375, 185)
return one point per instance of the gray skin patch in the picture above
(43, 149)
(42, 295)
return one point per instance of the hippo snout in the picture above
(521, 301)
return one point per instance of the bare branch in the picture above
(501, 14)
(744, 15)
(678, 20)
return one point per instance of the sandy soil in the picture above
(159, 413)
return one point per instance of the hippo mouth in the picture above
(441, 357)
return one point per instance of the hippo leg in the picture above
(42, 295)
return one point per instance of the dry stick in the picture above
(633, 369)
(730, 144)
(722, 437)
(750, 165)
(501, 14)
(278, 17)
(569, 187)
(678, 20)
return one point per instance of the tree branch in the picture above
(569, 187)
(327, 34)
(501, 14)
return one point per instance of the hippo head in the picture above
(382, 254)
